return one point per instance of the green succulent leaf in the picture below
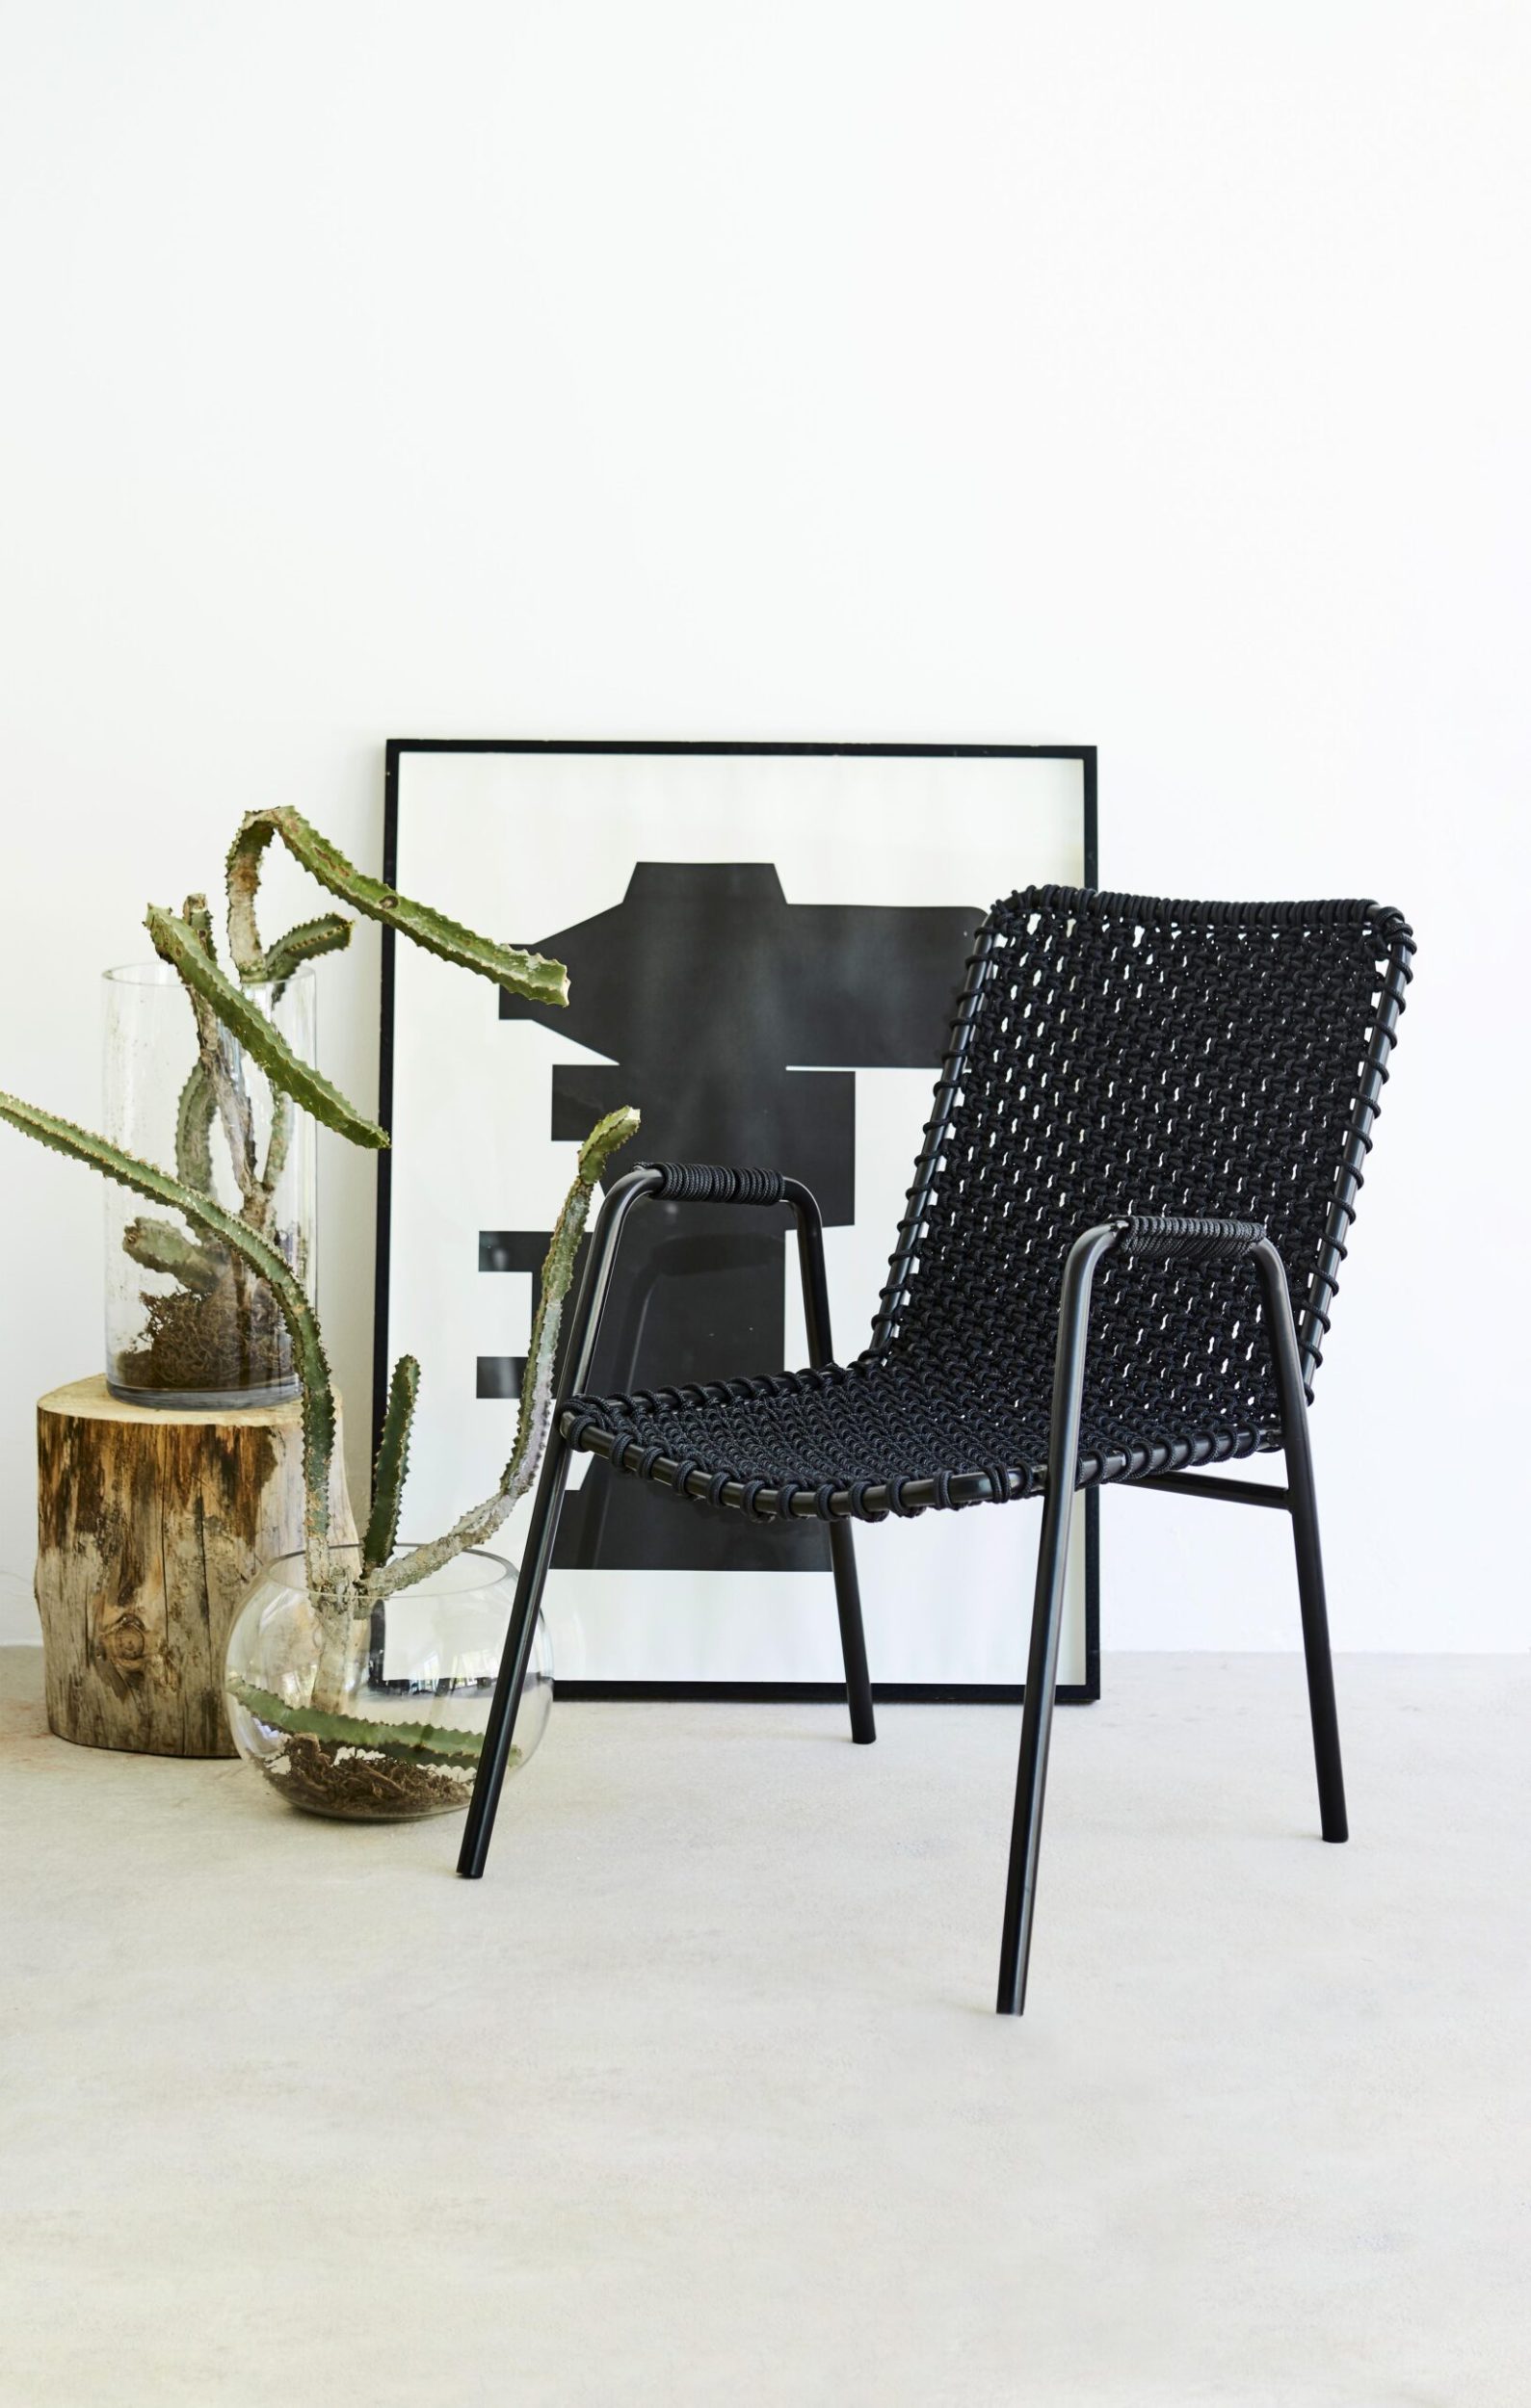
(159, 1245)
(558, 1277)
(617, 1129)
(526, 973)
(393, 1463)
(199, 920)
(177, 944)
(195, 1115)
(416, 1740)
(329, 934)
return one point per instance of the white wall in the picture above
(1149, 376)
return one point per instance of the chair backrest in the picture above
(1115, 1054)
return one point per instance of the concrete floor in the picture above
(698, 2099)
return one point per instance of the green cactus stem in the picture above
(215, 1076)
(83, 1145)
(195, 1115)
(177, 944)
(526, 973)
(329, 934)
(159, 1245)
(413, 1740)
(198, 918)
(276, 1145)
(478, 1526)
(393, 1465)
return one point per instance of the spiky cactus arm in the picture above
(195, 1114)
(159, 1245)
(478, 1526)
(198, 918)
(177, 944)
(525, 973)
(276, 1145)
(83, 1145)
(224, 1089)
(417, 1742)
(329, 934)
(232, 1108)
(393, 1463)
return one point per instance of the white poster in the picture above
(765, 946)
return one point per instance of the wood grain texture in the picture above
(150, 1529)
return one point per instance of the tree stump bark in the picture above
(150, 1529)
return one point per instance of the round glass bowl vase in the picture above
(395, 1733)
(189, 1327)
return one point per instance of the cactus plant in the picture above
(408, 1739)
(237, 1251)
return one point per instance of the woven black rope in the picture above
(1203, 1073)
(712, 1183)
(1189, 1238)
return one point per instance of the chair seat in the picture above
(884, 1435)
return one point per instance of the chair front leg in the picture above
(1047, 1621)
(584, 1331)
(514, 1659)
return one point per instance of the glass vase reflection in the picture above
(397, 1733)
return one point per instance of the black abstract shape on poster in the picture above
(714, 998)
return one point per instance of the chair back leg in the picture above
(1333, 1821)
(853, 1639)
(1304, 1506)
(495, 1759)
(806, 1213)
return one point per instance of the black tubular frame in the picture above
(967, 1692)
(681, 1184)
(1154, 1241)
(1234, 1379)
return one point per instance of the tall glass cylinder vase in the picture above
(188, 1325)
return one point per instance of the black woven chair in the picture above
(1149, 1116)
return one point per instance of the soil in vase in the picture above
(360, 1785)
(225, 1347)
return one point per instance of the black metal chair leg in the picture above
(853, 1639)
(1304, 1504)
(1332, 1819)
(584, 1329)
(513, 1661)
(809, 1221)
(1036, 1730)
(1047, 1621)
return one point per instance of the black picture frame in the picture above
(397, 747)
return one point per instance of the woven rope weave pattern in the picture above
(1187, 1238)
(709, 1183)
(1113, 1058)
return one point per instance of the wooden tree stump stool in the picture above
(150, 1529)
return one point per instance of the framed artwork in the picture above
(764, 944)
